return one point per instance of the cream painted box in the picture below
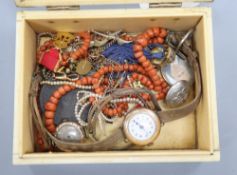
(194, 138)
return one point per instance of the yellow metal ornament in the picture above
(63, 39)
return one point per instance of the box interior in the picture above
(192, 134)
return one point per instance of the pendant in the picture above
(63, 39)
(83, 67)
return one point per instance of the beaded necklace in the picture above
(145, 73)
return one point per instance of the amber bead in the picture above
(57, 95)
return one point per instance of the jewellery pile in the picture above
(115, 75)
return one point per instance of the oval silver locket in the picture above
(69, 131)
(178, 94)
(177, 70)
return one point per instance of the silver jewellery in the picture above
(177, 70)
(55, 83)
(88, 94)
(70, 131)
(178, 94)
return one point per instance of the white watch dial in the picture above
(142, 126)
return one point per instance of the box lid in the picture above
(32, 3)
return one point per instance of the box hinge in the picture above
(73, 7)
(164, 5)
(168, 5)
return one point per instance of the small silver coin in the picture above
(177, 70)
(69, 131)
(178, 94)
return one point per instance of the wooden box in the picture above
(194, 138)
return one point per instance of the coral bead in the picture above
(158, 88)
(57, 95)
(156, 31)
(146, 63)
(49, 114)
(142, 59)
(49, 122)
(74, 55)
(157, 83)
(96, 75)
(152, 73)
(53, 100)
(160, 40)
(51, 128)
(61, 90)
(150, 33)
(110, 112)
(137, 48)
(131, 67)
(142, 41)
(138, 54)
(50, 106)
(163, 33)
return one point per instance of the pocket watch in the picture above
(142, 126)
(177, 70)
(178, 94)
(70, 131)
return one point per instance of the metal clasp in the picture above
(73, 7)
